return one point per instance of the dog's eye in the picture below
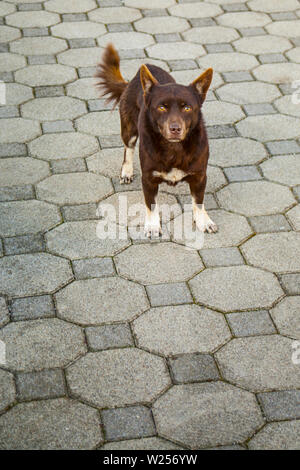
(162, 107)
(187, 107)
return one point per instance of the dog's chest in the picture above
(172, 177)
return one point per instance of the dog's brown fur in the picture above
(167, 119)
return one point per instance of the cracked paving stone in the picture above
(278, 252)
(215, 414)
(283, 169)
(21, 171)
(4, 315)
(280, 405)
(24, 217)
(41, 344)
(18, 130)
(259, 363)
(130, 422)
(147, 443)
(236, 288)
(31, 274)
(235, 151)
(7, 389)
(41, 75)
(47, 383)
(74, 188)
(52, 109)
(38, 46)
(286, 316)
(50, 424)
(118, 377)
(253, 198)
(157, 263)
(113, 299)
(79, 239)
(277, 436)
(181, 329)
(66, 145)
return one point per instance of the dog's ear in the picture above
(202, 83)
(147, 79)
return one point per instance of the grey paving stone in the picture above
(4, 47)
(171, 37)
(68, 166)
(48, 91)
(235, 7)
(118, 377)
(12, 150)
(237, 76)
(193, 368)
(15, 193)
(51, 424)
(80, 212)
(7, 77)
(22, 170)
(9, 111)
(214, 414)
(282, 169)
(40, 385)
(286, 15)
(271, 58)
(282, 147)
(4, 315)
(253, 323)
(252, 31)
(32, 308)
(269, 223)
(212, 48)
(169, 294)
(108, 336)
(182, 64)
(132, 54)
(74, 17)
(119, 27)
(63, 146)
(93, 267)
(259, 108)
(30, 6)
(156, 12)
(128, 423)
(278, 406)
(53, 109)
(35, 32)
(85, 72)
(291, 283)
(215, 132)
(24, 244)
(81, 42)
(7, 389)
(242, 173)
(277, 436)
(98, 105)
(229, 256)
(111, 141)
(18, 129)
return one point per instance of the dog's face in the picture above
(174, 109)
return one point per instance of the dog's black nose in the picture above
(175, 128)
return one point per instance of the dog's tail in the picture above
(111, 83)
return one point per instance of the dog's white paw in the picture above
(152, 231)
(126, 179)
(203, 221)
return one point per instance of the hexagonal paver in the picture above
(211, 35)
(214, 414)
(255, 198)
(248, 92)
(217, 113)
(270, 127)
(195, 10)
(235, 151)
(289, 29)
(32, 19)
(22, 170)
(112, 299)
(52, 109)
(259, 363)
(262, 44)
(108, 162)
(81, 57)
(39, 75)
(74, 188)
(79, 240)
(10, 62)
(228, 62)
(126, 40)
(293, 216)
(235, 288)
(70, 6)
(41, 344)
(181, 329)
(38, 45)
(247, 19)
(19, 130)
(157, 263)
(175, 50)
(7, 389)
(17, 94)
(269, 6)
(50, 425)
(115, 15)
(286, 316)
(32, 274)
(286, 106)
(101, 123)
(277, 252)
(4, 314)
(63, 145)
(9, 34)
(277, 436)
(78, 29)
(84, 88)
(167, 24)
(22, 217)
(118, 377)
(283, 169)
(277, 73)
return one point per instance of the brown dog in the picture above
(167, 119)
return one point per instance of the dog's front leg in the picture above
(152, 221)
(200, 216)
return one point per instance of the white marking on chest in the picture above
(174, 175)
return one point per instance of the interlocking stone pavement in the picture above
(183, 348)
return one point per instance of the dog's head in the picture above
(174, 110)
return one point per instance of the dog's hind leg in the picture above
(129, 137)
